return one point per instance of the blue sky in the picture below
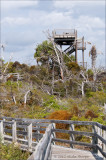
(23, 23)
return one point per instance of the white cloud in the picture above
(86, 25)
(90, 22)
(70, 4)
(15, 21)
(8, 5)
(55, 18)
(36, 21)
(63, 4)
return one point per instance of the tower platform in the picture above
(64, 37)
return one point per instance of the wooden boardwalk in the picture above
(63, 153)
(40, 138)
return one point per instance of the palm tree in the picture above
(93, 53)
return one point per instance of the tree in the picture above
(93, 53)
(44, 53)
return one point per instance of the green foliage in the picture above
(72, 58)
(43, 51)
(10, 67)
(88, 109)
(68, 58)
(99, 120)
(74, 67)
(24, 68)
(76, 118)
(98, 97)
(17, 67)
(44, 78)
(33, 69)
(60, 88)
(43, 72)
(51, 103)
(90, 73)
(34, 79)
(12, 152)
(13, 84)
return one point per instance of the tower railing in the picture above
(64, 32)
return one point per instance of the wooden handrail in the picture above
(55, 121)
(43, 148)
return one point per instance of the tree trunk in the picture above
(14, 100)
(82, 89)
(53, 79)
(25, 97)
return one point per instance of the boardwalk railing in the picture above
(27, 134)
(37, 135)
(43, 149)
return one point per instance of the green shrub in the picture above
(12, 152)
(74, 67)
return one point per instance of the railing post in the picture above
(99, 132)
(38, 132)
(71, 128)
(30, 136)
(53, 133)
(1, 132)
(94, 138)
(25, 129)
(104, 145)
(14, 134)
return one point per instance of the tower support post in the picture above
(83, 51)
(76, 47)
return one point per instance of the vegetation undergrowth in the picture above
(53, 91)
(12, 152)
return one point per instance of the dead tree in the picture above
(57, 52)
(25, 97)
(4, 71)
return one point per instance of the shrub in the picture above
(90, 74)
(90, 114)
(12, 152)
(74, 67)
(32, 69)
(97, 97)
(75, 111)
(61, 115)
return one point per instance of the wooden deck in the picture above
(62, 153)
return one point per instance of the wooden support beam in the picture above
(1, 132)
(94, 139)
(53, 133)
(14, 133)
(29, 137)
(71, 128)
(38, 131)
(76, 47)
(104, 144)
(83, 51)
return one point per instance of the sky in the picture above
(23, 24)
